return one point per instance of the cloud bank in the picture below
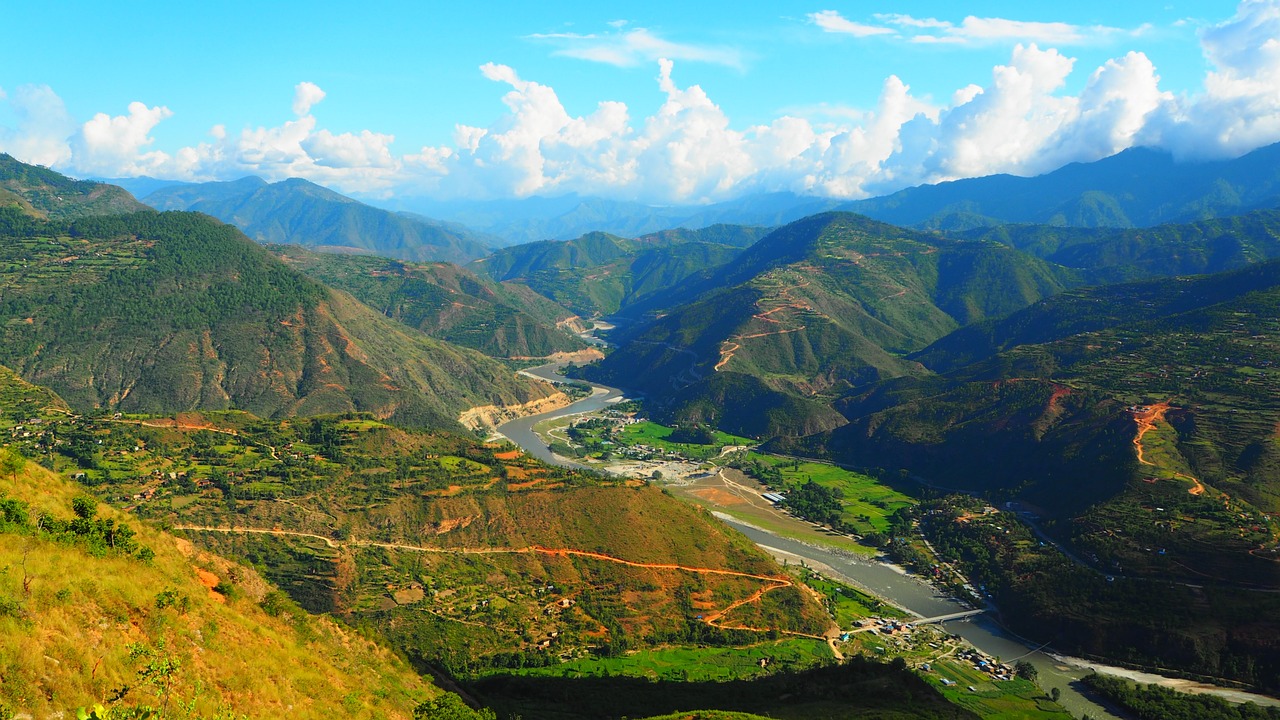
(687, 150)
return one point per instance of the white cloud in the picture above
(639, 46)
(833, 22)
(42, 127)
(971, 30)
(114, 145)
(305, 95)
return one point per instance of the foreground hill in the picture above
(448, 302)
(299, 212)
(817, 307)
(45, 193)
(164, 312)
(600, 274)
(97, 608)
(1139, 187)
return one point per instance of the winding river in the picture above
(879, 578)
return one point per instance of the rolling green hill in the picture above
(165, 312)
(1139, 187)
(447, 302)
(819, 306)
(298, 212)
(45, 193)
(600, 274)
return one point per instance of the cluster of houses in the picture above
(986, 664)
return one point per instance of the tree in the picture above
(10, 463)
(450, 707)
(1055, 694)
(1024, 669)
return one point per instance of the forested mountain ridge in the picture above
(164, 312)
(447, 302)
(600, 274)
(299, 212)
(815, 308)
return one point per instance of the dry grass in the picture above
(64, 640)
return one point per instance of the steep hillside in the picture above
(1204, 346)
(822, 305)
(165, 312)
(447, 302)
(1139, 187)
(98, 608)
(45, 193)
(299, 212)
(600, 274)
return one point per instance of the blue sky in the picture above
(660, 101)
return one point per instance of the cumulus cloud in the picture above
(115, 145)
(630, 48)
(305, 95)
(1018, 120)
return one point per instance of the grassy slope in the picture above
(447, 302)
(164, 312)
(63, 642)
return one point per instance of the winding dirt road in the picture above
(714, 618)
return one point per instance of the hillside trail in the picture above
(732, 345)
(1146, 421)
(714, 619)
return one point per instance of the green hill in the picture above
(447, 302)
(600, 274)
(165, 312)
(44, 193)
(818, 307)
(298, 212)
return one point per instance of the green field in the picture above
(696, 664)
(867, 502)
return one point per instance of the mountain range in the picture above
(1139, 187)
(299, 212)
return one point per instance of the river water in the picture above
(520, 431)
(879, 578)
